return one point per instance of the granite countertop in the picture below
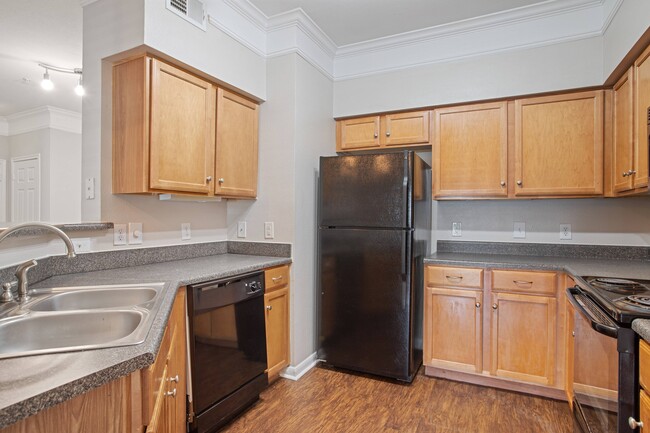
(577, 267)
(32, 383)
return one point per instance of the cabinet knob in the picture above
(221, 180)
(626, 174)
(503, 183)
(519, 183)
(376, 135)
(387, 133)
(171, 393)
(631, 172)
(634, 424)
(173, 379)
(209, 178)
(495, 306)
(478, 305)
(269, 307)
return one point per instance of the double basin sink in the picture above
(78, 318)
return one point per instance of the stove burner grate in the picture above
(639, 301)
(617, 285)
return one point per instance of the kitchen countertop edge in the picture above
(122, 360)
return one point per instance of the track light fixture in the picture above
(47, 83)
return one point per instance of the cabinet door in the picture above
(470, 151)
(159, 422)
(359, 133)
(182, 131)
(405, 128)
(277, 330)
(237, 140)
(176, 366)
(523, 337)
(644, 411)
(453, 329)
(559, 145)
(623, 133)
(641, 115)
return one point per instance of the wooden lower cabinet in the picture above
(523, 337)
(276, 303)
(500, 330)
(453, 329)
(142, 401)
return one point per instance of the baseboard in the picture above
(298, 371)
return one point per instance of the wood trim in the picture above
(640, 113)
(496, 382)
(625, 102)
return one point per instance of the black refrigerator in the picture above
(374, 231)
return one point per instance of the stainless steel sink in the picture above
(90, 299)
(79, 318)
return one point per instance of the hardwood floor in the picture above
(330, 401)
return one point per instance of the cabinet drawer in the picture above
(524, 282)
(457, 277)
(276, 277)
(644, 364)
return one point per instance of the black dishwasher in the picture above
(227, 349)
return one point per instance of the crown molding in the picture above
(547, 23)
(42, 118)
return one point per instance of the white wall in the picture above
(65, 176)
(212, 52)
(315, 135)
(547, 68)
(620, 221)
(629, 23)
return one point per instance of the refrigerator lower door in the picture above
(366, 316)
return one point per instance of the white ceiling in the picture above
(351, 21)
(33, 31)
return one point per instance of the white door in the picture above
(3, 190)
(26, 188)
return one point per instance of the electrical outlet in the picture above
(565, 231)
(269, 230)
(119, 234)
(456, 230)
(519, 230)
(241, 229)
(135, 233)
(186, 231)
(81, 245)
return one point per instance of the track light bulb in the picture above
(79, 89)
(47, 84)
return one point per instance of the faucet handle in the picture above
(7, 294)
(24, 267)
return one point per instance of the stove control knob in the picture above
(634, 424)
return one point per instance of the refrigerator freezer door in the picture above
(366, 322)
(366, 190)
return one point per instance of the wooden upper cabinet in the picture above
(389, 130)
(237, 142)
(182, 130)
(470, 150)
(559, 145)
(166, 133)
(641, 115)
(623, 133)
(359, 133)
(405, 128)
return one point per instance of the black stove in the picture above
(622, 298)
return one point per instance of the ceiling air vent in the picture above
(190, 10)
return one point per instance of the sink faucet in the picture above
(21, 271)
